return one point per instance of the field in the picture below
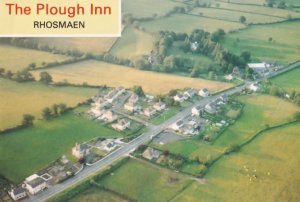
(187, 23)
(132, 44)
(145, 183)
(44, 143)
(31, 98)
(15, 59)
(269, 164)
(100, 73)
(288, 81)
(91, 45)
(284, 47)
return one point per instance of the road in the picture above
(142, 139)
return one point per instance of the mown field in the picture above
(284, 47)
(31, 98)
(26, 151)
(289, 81)
(264, 170)
(132, 44)
(100, 73)
(15, 59)
(145, 182)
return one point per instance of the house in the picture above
(229, 77)
(190, 93)
(122, 125)
(259, 68)
(151, 153)
(131, 106)
(34, 184)
(80, 151)
(149, 111)
(224, 97)
(177, 125)
(197, 111)
(179, 98)
(211, 108)
(194, 46)
(159, 106)
(109, 116)
(17, 193)
(204, 92)
(109, 145)
(133, 98)
(112, 95)
(254, 87)
(188, 129)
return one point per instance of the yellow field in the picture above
(14, 58)
(100, 73)
(265, 170)
(31, 98)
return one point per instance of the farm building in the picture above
(17, 193)
(34, 184)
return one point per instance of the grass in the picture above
(26, 151)
(100, 73)
(288, 81)
(145, 183)
(187, 23)
(164, 116)
(285, 47)
(32, 97)
(15, 59)
(132, 44)
(275, 158)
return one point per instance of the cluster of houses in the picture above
(190, 93)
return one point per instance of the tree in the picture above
(55, 108)
(246, 55)
(2, 71)
(27, 120)
(218, 35)
(46, 113)
(9, 74)
(32, 65)
(211, 75)
(62, 108)
(243, 19)
(139, 91)
(45, 77)
(270, 39)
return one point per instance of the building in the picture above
(254, 87)
(109, 116)
(204, 92)
(177, 125)
(197, 111)
(34, 184)
(188, 129)
(259, 68)
(194, 46)
(80, 151)
(229, 77)
(112, 95)
(149, 111)
(224, 97)
(122, 125)
(131, 106)
(159, 106)
(134, 98)
(190, 93)
(17, 193)
(151, 153)
(211, 108)
(179, 98)
(109, 145)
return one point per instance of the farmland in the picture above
(283, 47)
(15, 59)
(19, 99)
(255, 170)
(288, 81)
(44, 143)
(100, 73)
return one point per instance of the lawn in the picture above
(288, 81)
(132, 44)
(265, 170)
(15, 59)
(100, 73)
(26, 151)
(32, 97)
(164, 116)
(145, 182)
(188, 23)
(284, 48)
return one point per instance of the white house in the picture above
(151, 153)
(149, 111)
(194, 46)
(80, 150)
(179, 98)
(112, 95)
(17, 193)
(109, 116)
(109, 145)
(133, 98)
(34, 184)
(131, 106)
(211, 108)
(254, 87)
(229, 77)
(122, 125)
(159, 106)
(177, 125)
(204, 92)
(259, 68)
(189, 93)
(197, 111)
(188, 130)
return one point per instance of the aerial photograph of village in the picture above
(197, 101)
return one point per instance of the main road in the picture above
(142, 139)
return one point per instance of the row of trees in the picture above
(19, 76)
(54, 111)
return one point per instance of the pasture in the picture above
(269, 165)
(15, 58)
(283, 48)
(145, 182)
(288, 81)
(44, 143)
(132, 44)
(100, 73)
(32, 97)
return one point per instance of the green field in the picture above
(132, 44)
(26, 151)
(284, 48)
(188, 23)
(31, 98)
(265, 170)
(145, 182)
(15, 59)
(289, 81)
(164, 116)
